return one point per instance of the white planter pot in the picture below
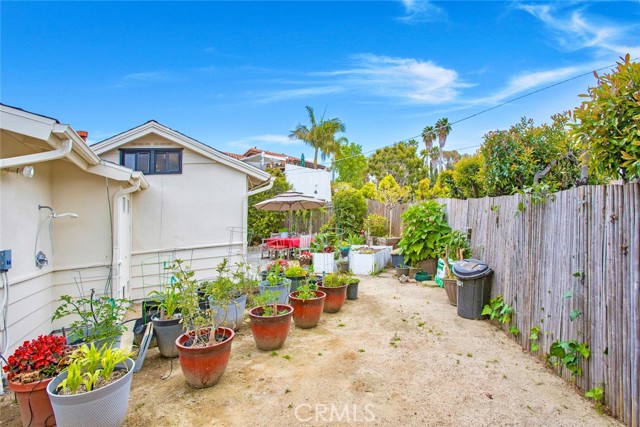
(105, 407)
(367, 264)
(324, 263)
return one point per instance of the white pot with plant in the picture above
(94, 389)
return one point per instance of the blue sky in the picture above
(238, 74)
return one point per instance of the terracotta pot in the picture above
(335, 298)
(451, 286)
(270, 332)
(307, 313)
(35, 406)
(204, 366)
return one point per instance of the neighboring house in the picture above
(145, 196)
(91, 251)
(196, 206)
(305, 179)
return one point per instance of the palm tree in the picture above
(443, 129)
(428, 136)
(308, 135)
(434, 155)
(321, 136)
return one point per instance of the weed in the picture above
(597, 394)
(139, 405)
(273, 353)
(286, 356)
(319, 354)
(535, 334)
(420, 324)
(498, 310)
(290, 406)
(469, 354)
(362, 350)
(341, 325)
(286, 390)
(568, 353)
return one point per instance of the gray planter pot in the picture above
(282, 290)
(233, 316)
(166, 333)
(105, 407)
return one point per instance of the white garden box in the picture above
(367, 264)
(324, 263)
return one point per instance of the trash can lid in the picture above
(471, 269)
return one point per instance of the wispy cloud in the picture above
(573, 30)
(146, 77)
(406, 80)
(420, 11)
(272, 139)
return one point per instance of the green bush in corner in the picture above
(426, 232)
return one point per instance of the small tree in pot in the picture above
(205, 347)
(228, 294)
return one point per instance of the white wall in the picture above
(307, 181)
(185, 216)
(82, 245)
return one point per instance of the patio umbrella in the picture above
(290, 201)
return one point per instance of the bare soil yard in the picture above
(398, 356)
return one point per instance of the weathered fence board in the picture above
(580, 250)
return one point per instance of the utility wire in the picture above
(502, 104)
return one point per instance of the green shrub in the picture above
(426, 232)
(262, 223)
(349, 209)
(376, 225)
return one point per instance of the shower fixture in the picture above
(40, 256)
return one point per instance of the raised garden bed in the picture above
(369, 260)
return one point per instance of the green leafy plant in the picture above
(354, 239)
(425, 232)
(498, 310)
(335, 280)
(569, 353)
(269, 303)
(89, 365)
(533, 338)
(295, 271)
(324, 242)
(597, 394)
(96, 318)
(349, 210)
(307, 291)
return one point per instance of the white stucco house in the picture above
(147, 193)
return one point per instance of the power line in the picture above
(482, 112)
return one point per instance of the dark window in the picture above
(152, 161)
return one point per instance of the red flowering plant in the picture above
(39, 359)
(278, 266)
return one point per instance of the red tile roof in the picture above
(289, 159)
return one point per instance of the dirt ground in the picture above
(398, 356)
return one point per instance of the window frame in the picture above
(152, 158)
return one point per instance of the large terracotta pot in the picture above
(307, 313)
(35, 406)
(203, 366)
(270, 332)
(335, 298)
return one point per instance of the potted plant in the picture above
(95, 378)
(305, 258)
(296, 274)
(424, 236)
(307, 303)
(228, 294)
(352, 287)
(335, 286)
(277, 284)
(343, 265)
(96, 319)
(368, 259)
(167, 325)
(205, 347)
(323, 247)
(344, 248)
(284, 232)
(270, 321)
(30, 369)
(278, 266)
(458, 245)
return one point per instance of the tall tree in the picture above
(443, 129)
(606, 126)
(352, 166)
(400, 160)
(428, 136)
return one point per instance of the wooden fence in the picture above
(579, 252)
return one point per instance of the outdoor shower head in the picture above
(71, 214)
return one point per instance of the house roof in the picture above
(255, 176)
(254, 151)
(49, 130)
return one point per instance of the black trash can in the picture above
(474, 287)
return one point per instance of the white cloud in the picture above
(574, 31)
(149, 76)
(282, 95)
(420, 11)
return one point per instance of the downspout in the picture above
(115, 256)
(29, 159)
(245, 207)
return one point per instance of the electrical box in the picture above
(5, 260)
